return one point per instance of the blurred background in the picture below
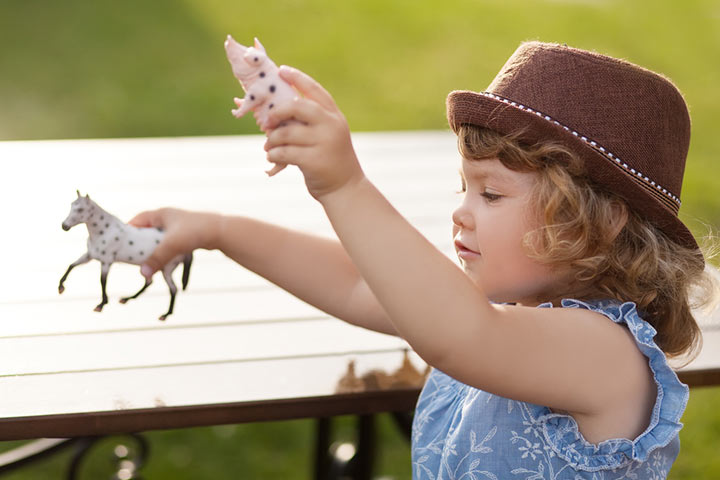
(100, 69)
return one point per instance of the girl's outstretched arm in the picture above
(535, 355)
(315, 269)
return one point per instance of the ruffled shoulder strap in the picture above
(561, 431)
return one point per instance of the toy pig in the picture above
(258, 75)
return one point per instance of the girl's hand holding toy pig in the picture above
(318, 142)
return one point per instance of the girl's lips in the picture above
(464, 252)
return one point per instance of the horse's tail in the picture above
(187, 261)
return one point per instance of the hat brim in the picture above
(467, 107)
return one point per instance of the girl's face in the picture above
(489, 227)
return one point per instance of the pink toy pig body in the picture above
(258, 75)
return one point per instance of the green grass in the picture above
(700, 438)
(84, 69)
(249, 451)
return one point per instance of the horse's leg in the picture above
(80, 261)
(148, 282)
(167, 275)
(103, 283)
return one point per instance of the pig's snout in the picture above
(233, 48)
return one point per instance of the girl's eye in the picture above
(491, 197)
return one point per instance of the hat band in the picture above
(668, 198)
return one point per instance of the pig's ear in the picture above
(259, 46)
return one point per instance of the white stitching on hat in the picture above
(592, 143)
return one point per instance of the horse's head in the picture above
(80, 211)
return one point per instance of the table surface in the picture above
(237, 348)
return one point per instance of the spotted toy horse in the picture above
(259, 77)
(111, 240)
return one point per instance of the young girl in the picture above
(549, 345)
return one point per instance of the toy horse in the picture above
(111, 241)
(259, 77)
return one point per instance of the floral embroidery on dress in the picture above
(460, 432)
(454, 470)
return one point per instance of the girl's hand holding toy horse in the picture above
(184, 232)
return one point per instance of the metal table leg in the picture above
(345, 460)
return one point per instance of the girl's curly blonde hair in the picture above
(611, 252)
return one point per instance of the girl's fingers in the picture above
(285, 154)
(147, 219)
(300, 109)
(307, 86)
(161, 256)
(292, 134)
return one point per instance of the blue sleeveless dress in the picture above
(460, 432)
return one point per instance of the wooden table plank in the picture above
(131, 349)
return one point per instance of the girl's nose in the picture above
(462, 218)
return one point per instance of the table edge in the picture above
(163, 418)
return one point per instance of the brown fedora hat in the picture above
(630, 125)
